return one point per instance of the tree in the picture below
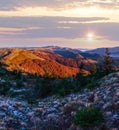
(93, 69)
(107, 62)
(80, 78)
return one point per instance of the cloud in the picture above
(14, 4)
(57, 4)
(80, 17)
(83, 20)
(57, 27)
(45, 22)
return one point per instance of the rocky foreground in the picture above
(56, 113)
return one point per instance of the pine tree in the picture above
(93, 69)
(107, 62)
(80, 78)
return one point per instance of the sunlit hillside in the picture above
(45, 62)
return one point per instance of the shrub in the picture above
(88, 117)
(19, 83)
(63, 87)
(4, 88)
(92, 84)
(32, 101)
(46, 87)
(43, 87)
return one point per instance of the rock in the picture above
(108, 113)
(103, 127)
(114, 129)
(72, 127)
(38, 109)
(107, 105)
(91, 98)
(116, 105)
(17, 104)
(10, 108)
(117, 93)
(2, 128)
(71, 106)
(52, 116)
(2, 115)
(16, 113)
(96, 98)
(56, 106)
(51, 109)
(30, 114)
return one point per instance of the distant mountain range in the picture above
(73, 53)
(51, 60)
(114, 51)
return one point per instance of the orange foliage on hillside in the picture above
(44, 62)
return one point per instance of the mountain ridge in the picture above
(102, 50)
(44, 60)
(57, 61)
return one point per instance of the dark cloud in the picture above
(9, 5)
(45, 22)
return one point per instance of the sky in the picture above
(67, 23)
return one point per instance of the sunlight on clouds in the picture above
(74, 12)
(97, 43)
(2, 29)
(103, 1)
(73, 43)
(64, 27)
(4, 32)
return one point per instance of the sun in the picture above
(90, 35)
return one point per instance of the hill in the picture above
(26, 61)
(101, 51)
(114, 51)
(53, 62)
(58, 112)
